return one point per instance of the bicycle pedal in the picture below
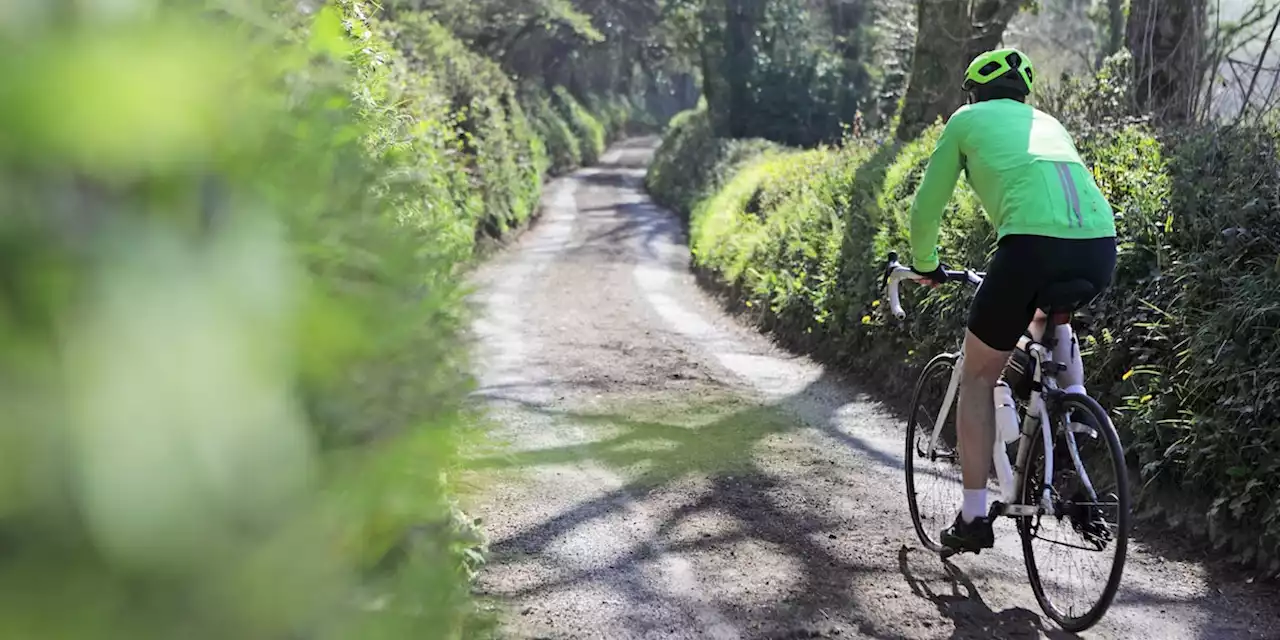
(948, 553)
(997, 510)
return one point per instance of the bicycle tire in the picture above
(944, 363)
(1074, 623)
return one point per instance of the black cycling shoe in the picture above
(968, 537)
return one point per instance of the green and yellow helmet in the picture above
(1005, 67)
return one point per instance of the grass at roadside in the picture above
(647, 440)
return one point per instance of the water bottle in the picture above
(1006, 414)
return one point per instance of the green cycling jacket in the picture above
(1025, 169)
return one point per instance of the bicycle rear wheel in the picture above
(1075, 559)
(934, 488)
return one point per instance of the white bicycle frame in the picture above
(1011, 478)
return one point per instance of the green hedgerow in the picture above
(692, 164)
(505, 155)
(586, 127)
(562, 146)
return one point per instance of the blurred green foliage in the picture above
(231, 302)
(614, 113)
(564, 150)
(591, 47)
(692, 163)
(585, 126)
(791, 71)
(1181, 347)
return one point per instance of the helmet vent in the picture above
(989, 68)
(1015, 60)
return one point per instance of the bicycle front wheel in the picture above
(934, 489)
(1076, 556)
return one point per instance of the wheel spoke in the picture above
(1076, 588)
(933, 481)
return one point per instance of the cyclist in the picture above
(1052, 224)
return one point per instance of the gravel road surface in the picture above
(660, 470)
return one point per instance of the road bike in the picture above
(1068, 475)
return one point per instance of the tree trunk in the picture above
(942, 39)
(711, 53)
(1167, 38)
(949, 33)
(742, 22)
(988, 22)
(1115, 27)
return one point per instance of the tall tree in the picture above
(949, 34)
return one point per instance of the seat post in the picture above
(1059, 300)
(1055, 319)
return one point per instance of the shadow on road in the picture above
(723, 444)
(973, 617)
(716, 442)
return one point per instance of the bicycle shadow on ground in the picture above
(963, 604)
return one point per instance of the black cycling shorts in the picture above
(1023, 266)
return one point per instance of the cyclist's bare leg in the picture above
(976, 416)
(1037, 326)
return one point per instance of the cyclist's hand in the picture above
(933, 278)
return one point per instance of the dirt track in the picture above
(664, 472)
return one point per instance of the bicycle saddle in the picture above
(1065, 296)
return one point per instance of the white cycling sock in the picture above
(975, 504)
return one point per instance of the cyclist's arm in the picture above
(931, 198)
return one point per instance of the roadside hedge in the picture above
(563, 146)
(677, 180)
(575, 135)
(585, 126)
(1183, 348)
(231, 300)
(505, 157)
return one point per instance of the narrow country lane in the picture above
(659, 470)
